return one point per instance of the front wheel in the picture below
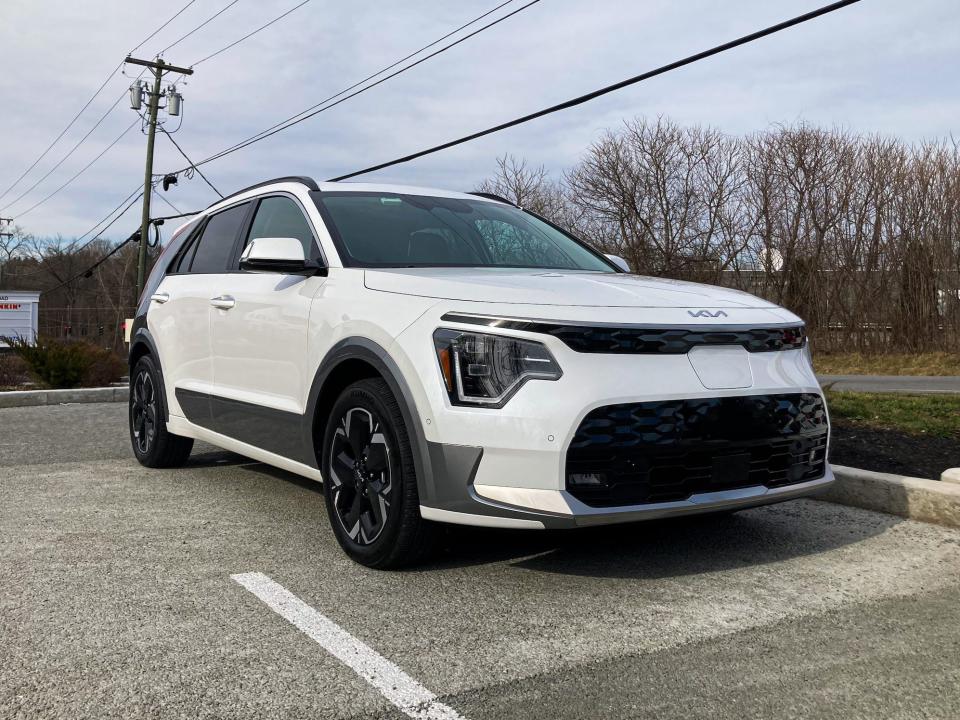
(370, 483)
(153, 444)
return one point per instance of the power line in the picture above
(89, 271)
(62, 133)
(609, 88)
(122, 203)
(251, 34)
(154, 33)
(192, 165)
(88, 244)
(323, 106)
(85, 106)
(160, 196)
(91, 230)
(185, 157)
(68, 182)
(81, 171)
(100, 233)
(205, 22)
(132, 237)
(65, 157)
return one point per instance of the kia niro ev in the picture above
(440, 357)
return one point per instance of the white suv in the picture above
(446, 357)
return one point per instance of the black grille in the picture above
(649, 340)
(668, 450)
(676, 341)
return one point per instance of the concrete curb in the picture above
(929, 501)
(23, 398)
(896, 384)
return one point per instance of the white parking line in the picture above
(392, 682)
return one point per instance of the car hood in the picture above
(556, 287)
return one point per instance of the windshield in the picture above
(391, 230)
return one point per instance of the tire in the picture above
(153, 445)
(370, 483)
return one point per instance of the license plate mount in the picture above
(730, 470)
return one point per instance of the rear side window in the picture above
(281, 217)
(181, 262)
(216, 245)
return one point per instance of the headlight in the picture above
(484, 369)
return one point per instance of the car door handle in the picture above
(223, 302)
(160, 297)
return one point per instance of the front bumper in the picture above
(508, 467)
(464, 502)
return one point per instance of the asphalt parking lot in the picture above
(116, 600)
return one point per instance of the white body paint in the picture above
(267, 349)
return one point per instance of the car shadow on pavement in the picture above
(260, 468)
(671, 547)
(216, 458)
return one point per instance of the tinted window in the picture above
(282, 217)
(216, 244)
(390, 230)
(181, 263)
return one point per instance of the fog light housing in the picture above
(587, 480)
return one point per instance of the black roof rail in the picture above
(302, 179)
(491, 196)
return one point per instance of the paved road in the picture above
(902, 384)
(116, 602)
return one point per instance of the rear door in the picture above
(180, 312)
(260, 340)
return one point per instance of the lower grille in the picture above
(665, 451)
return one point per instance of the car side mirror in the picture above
(275, 254)
(619, 262)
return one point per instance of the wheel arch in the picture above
(142, 343)
(353, 359)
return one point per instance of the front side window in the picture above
(393, 230)
(218, 240)
(280, 216)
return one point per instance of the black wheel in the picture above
(153, 444)
(370, 483)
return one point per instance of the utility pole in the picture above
(158, 67)
(4, 221)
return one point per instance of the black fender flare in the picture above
(361, 348)
(139, 337)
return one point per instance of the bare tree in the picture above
(858, 235)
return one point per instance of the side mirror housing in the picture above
(619, 262)
(276, 254)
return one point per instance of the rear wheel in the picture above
(153, 445)
(370, 484)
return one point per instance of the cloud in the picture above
(880, 66)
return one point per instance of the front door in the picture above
(259, 340)
(179, 314)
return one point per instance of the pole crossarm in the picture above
(159, 64)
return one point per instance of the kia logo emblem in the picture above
(706, 313)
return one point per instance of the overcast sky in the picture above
(880, 66)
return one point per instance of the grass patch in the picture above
(932, 363)
(935, 415)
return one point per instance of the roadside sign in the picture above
(19, 314)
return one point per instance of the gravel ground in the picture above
(116, 602)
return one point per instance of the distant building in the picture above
(19, 314)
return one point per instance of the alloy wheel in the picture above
(361, 475)
(144, 417)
